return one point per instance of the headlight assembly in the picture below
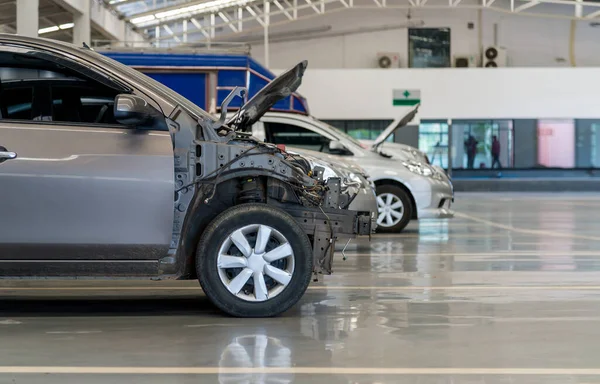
(420, 169)
(353, 177)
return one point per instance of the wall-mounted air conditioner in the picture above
(464, 61)
(388, 60)
(495, 57)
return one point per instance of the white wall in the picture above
(531, 41)
(455, 93)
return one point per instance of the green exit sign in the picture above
(406, 97)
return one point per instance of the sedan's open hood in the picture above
(394, 126)
(281, 87)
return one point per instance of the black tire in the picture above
(407, 212)
(222, 227)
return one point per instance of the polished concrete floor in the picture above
(507, 292)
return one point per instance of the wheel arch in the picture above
(201, 213)
(405, 189)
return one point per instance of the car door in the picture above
(75, 187)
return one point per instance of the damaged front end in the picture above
(227, 168)
(262, 173)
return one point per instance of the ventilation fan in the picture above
(464, 61)
(494, 57)
(388, 60)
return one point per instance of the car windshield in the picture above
(151, 83)
(339, 134)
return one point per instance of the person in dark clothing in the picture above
(471, 149)
(496, 152)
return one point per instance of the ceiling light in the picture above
(66, 26)
(142, 19)
(48, 29)
(213, 6)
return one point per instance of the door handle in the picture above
(6, 155)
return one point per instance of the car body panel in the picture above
(399, 150)
(65, 174)
(120, 178)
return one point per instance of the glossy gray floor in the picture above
(506, 292)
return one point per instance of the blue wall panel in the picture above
(227, 78)
(231, 71)
(298, 106)
(192, 86)
(178, 60)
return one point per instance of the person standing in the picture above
(471, 148)
(496, 152)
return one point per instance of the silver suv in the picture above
(107, 173)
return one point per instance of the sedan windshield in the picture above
(339, 134)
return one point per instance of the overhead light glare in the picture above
(66, 26)
(211, 6)
(54, 28)
(142, 19)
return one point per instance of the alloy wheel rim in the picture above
(390, 210)
(255, 262)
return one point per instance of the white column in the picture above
(28, 17)
(267, 20)
(82, 30)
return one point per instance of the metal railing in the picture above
(172, 47)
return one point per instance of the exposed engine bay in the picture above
(224, 167)
(246, 171)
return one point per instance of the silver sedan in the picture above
(406, 187)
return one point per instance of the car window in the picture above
(17, 103)
(295, 136)
(36, 89)
(150, 83)
(340, 134)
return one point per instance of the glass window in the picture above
(433, 140)
(37, 89)
(429, 47)
(295, 136)
(362, 129)
(587, 143)
(16, 103)
(556, 143)
(482, 144)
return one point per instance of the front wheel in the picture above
(254, 261)
(394, 208)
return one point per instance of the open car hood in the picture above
(281, 87)
(394, 126)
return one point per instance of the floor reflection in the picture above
(255, 351)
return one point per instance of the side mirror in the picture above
(338, 148)
(134, 111)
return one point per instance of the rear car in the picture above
(406, 187)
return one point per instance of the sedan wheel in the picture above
(394, 208)
(254, 261)
(390, 210)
